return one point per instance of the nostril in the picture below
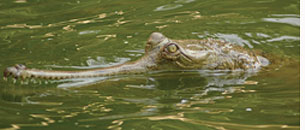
(15, 70)
(6, 73)
(9, 71)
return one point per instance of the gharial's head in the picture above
(175, 51)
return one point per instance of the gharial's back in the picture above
(214, 54)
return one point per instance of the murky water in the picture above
(84, 34)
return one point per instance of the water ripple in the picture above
(179, 3)
(218, 125)
(291, 21)
(168, 7)
(283, 38)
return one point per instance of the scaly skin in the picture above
(162, 53)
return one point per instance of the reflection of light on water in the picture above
(233, 38)
(22, 26)
(291, 21)
(168, 7)
(149, 107)
(101, 62)
(197, 16)
(44, 117)
(85, 21)
(71, 22)
(46, 121)
(180, 17)
(184, 1)
(20, 1)
(89, 32)
(142, 113)
(96, 109)
(262, 35)
(102, 15)
(116, 125)
(106, 36)
(286, 15)
(162, 26)
(162, 22)
(178, 4)
(98, 62)
(222, 78)
(283, 38)
(141, 86)
(196, 100)
(217, 124)
(27, 100)
(120, 21)
(78, 82)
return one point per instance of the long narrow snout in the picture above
(20, 71)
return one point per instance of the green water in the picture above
(82, 34)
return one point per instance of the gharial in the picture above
(162, 53)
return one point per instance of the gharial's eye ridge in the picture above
(172, 48)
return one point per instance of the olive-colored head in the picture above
(154, 40)
(158, 43)
(168, 50)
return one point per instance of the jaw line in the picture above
(184, 55)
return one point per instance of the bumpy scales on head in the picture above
(162, 53)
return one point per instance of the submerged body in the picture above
(162, 53)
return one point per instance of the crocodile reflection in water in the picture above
(162, 53)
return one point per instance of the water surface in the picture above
(85, 34)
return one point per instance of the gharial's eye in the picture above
(172, 48)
